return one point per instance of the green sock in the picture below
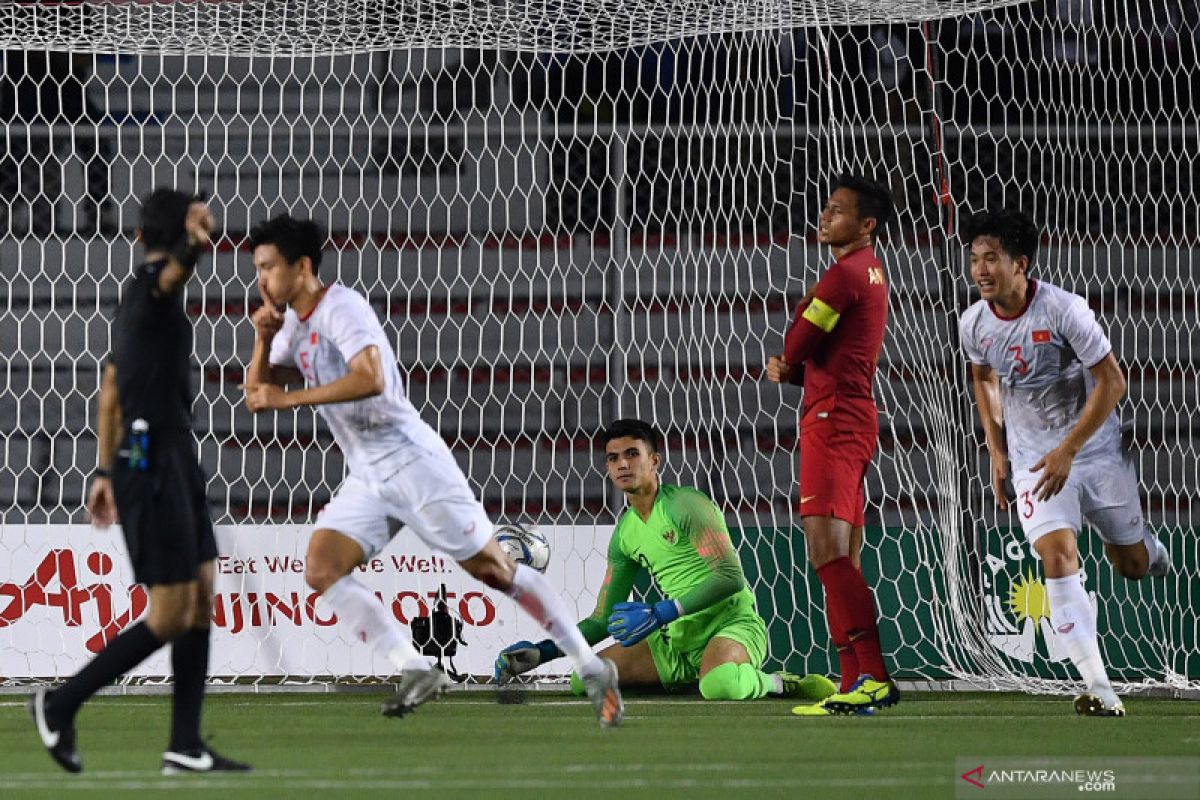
(577, 687)
(736, 682)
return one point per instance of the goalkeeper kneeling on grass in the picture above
(707, 628)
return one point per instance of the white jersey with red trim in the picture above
(1043, 357)
(380, 434)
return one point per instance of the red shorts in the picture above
(833, 465)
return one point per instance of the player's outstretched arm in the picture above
(523, 656)
(991, 415)
(1055, 466)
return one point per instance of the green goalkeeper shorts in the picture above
(676, 667)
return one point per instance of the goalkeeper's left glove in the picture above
(632, 622)
(519, 658)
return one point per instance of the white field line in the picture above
(296, 782)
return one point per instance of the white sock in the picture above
(533, 592)
(776, 684)
(1151, 543)
(1072, 618)
(360, 611)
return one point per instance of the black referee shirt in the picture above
(152, 350)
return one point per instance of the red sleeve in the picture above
(834, 294)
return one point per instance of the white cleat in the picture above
(416, 687)
(605, 694)
(1160, 565)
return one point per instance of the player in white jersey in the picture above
(400, 470)
(1044, 371)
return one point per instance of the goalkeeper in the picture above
(706, 629)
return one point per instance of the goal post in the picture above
(566, 212)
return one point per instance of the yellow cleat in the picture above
(825, 710)
(814, 688)
(867, 693)
(814, 710)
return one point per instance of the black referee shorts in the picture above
(164, 513)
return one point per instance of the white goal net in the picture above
(569, 212)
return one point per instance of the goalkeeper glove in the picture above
(632, 622)
(519, 658)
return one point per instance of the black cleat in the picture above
(58, 741)
(202, 759)
(416, 686)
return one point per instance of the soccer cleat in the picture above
(59, 742)
(822, 710)
(865, 693)
(1160, 565)
(416, 687)
(1090, 705)
(807, 687)
(202, 759)
(605, 695)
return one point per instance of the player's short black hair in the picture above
(294, 238)
(163, 215)
(632, 427)
(1014, 229)
(874, 199)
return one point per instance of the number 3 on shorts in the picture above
(1027, 505)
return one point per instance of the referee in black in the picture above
(149, 479)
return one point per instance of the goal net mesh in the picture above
(569, 212)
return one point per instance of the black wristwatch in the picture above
(101, 472)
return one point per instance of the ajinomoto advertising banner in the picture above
(67, 589)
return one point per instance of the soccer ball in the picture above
(524, 544)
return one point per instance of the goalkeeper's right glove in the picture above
(519, 658)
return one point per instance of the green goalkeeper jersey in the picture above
(685, 546)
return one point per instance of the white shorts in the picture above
(429, 494)
(1102, 490)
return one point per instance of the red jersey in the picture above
(837, 336)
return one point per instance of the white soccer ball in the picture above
(524, 544)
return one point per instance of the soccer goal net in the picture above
(568, 212)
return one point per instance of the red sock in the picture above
(847, 593)
(848, 662)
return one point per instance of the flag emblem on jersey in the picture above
(670, 537)
(1041, 337)
(312, 338)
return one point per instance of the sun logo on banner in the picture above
(1028, 600)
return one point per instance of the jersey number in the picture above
(1026, 505)
(1022, 366)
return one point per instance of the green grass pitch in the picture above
(467, 745)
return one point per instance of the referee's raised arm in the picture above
(183, 255)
